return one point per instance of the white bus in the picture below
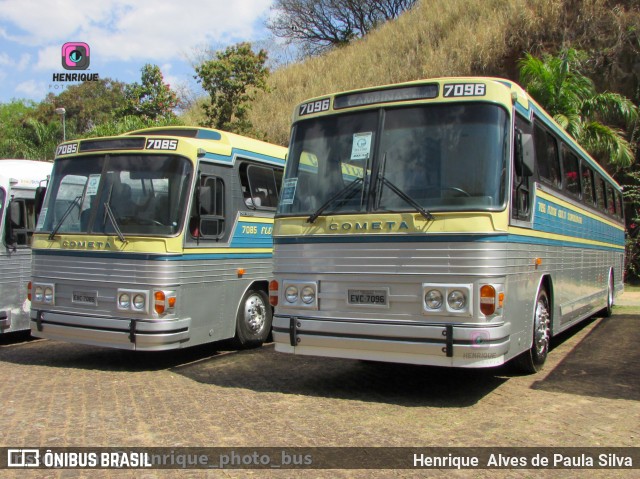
(19, 180)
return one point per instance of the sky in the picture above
(122, 36)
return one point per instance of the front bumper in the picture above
(457, 345)
(121, 333)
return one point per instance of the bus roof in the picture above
(209, 143)
(25, 173)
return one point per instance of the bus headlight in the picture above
(132, 300)
(291, 294)
(48, 295)
(38, 294)
(301, 294)
(442, 299)
(139, 302)
(124, 301)
(456, 300)
(308, 295)
(43, 293)
(433, 299)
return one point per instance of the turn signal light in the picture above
(160, 301)
(29, 291)
(487, 299)
(273, 293)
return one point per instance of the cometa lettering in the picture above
(86, 244)
(370, 226)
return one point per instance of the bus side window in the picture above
(259, 186)
(20, 222)
(209, 221)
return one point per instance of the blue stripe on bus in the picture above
(252, 235)
(440, 238)
(153, 257)
(550, 217)
(250, 155)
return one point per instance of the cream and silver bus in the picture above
(157, 239)
(19, 181)
(445, 222)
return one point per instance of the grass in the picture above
(632, 288)
(444, 38)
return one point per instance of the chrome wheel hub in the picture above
(542, 327)
(255, 313)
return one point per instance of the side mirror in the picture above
(9, 236)
(39, 199)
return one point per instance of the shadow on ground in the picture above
(264, 370)
(604, 364)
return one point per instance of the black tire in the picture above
(253, 323)
(608, 309)
(532, 361)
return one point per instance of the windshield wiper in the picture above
(109, 212)
(399, 192)
(350, 188)
(75, 202)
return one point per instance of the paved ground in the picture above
(56, 394)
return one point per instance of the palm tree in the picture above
(571, 98)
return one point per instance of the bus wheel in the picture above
(254, 320)
(608, 309)
(533, 360)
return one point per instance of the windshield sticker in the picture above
(92, 185)
(288, 191)
(361, 147)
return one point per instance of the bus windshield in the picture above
(425, 158)
(117, 194)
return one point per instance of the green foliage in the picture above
(33, 140)
(128, 123)
(632, 202)
(87, 104)
(231, 80)
(557, 83)
(22, 135)
(152, 99)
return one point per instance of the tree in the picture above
(128, 123)
(571, 98)
(231, 80)
(152, 98)
(34, 140)
(87, 104)
(317, 25)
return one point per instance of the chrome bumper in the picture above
(454, 345)
(133, 334)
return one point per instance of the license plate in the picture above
(372, 297)
(84, 297)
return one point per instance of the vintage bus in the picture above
(157, 239)
(469, 229)
(19, 181)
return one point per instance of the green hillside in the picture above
(462, 37)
